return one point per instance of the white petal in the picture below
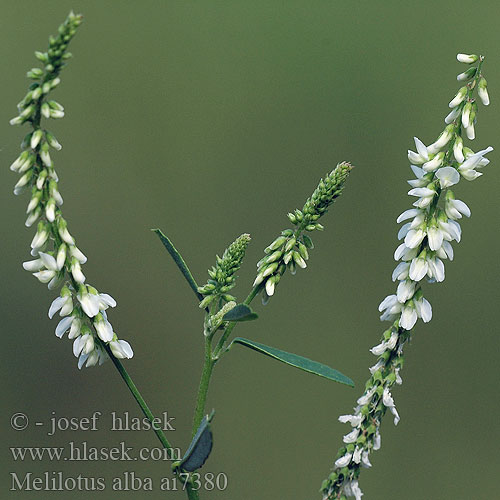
(56, 305)
(408, 318)
(414, 238)
(448, 176)
(423, 192)
(352, 436)
(435, 237)
(48, 261)
(401, 271)
(422, 150)
(418, 269)
(343, 461)
(107, 300)
(33, 265)
(63, 326)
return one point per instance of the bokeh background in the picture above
(212, 118)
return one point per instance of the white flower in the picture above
(62, 303)
(105, 301)
(420, 180)
(424, 309)
(405, 253)
(458, 149)
(377, 440)
(393, 340)
(458, 99)
(456, 208)
(426, 196)
(418, 267)
(88, 301)
(414, 237)
(75, 252)
(121, 349)
(448, 176)
(45, 276)
(435, 163)
(389, 403)
(352, 436)
(270, 285)
(40, 237)
(75, 329)
(421, 148)
(356, 456)
(401, 271)
(442, 140)
(452, 115)
(406, 290)
(435, 269)
(103, 328)
(366, 397)
(379, 349)
(33, 265)
(354, 420)
(445, 251)
(451, 230)
(352, 489)
(365, 459)
(63, 326)
(470, 131)
(76, 271)
(434, 237)
(408, 214)
(408, 316)
(483, 95)
(466, 58)
(343, 461)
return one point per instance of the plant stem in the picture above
(203, 388)
(191, 492)
(138, 397)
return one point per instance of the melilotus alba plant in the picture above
(57, 261)
(426, 243)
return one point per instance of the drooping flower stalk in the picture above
(426, 243)
(57, 260)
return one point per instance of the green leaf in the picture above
(200, 447)
(183, 268)
(240, 312)
(294, 360)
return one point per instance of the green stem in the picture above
(203, 388)
(138, 397)
(191, 492)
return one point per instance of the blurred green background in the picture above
(212, 118)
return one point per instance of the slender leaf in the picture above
(240, 312)
(295, 360)
(174, 253)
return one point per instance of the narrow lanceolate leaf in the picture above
(181, 264)
(297, 361)
(200, 447)
(240, 312)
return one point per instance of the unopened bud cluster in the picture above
(291, 248)
(223, 274)
(427, 241)
(57, 260)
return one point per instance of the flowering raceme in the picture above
(427, 235)
(57, 260)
